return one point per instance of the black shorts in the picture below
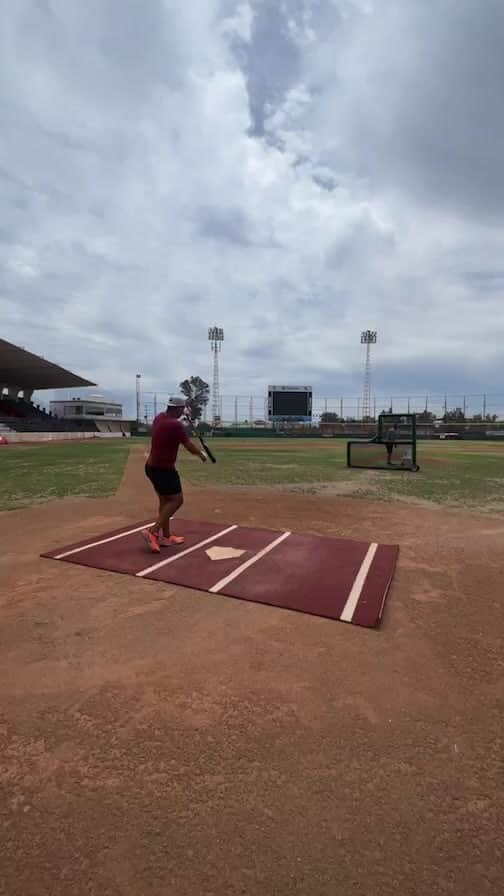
(166, 482)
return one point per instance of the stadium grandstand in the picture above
(21, 374)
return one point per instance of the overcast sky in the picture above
(294, 171)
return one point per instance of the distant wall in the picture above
(114, 427)
(59, 436)
(259, 433)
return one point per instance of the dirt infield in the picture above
(154, 740)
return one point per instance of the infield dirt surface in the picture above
(157, 740)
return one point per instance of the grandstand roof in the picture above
(27, 371)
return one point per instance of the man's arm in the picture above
(193, 449)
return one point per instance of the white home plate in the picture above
(221, 553)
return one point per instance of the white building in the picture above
(106, 414)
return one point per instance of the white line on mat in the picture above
(244, 566)
(358, 585)
(94, 544)
(144, 572)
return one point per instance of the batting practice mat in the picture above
(331, 577)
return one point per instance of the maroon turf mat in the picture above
(201, 572)
(330, 577)
(129, 553)
(307, 573)
(370, 606)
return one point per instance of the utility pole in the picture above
(138, 377)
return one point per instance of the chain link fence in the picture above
(252, 410)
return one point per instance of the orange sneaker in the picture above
(171, 541)
(151, 540)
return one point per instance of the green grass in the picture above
(267, 462)
(41, 473)
(469, 474)
(461, 474)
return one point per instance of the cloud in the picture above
(294, 171)
(414, 94)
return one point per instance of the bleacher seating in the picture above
(10, 408)
(23, 416)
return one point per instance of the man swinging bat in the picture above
(167, 434)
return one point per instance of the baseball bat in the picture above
(200, 437)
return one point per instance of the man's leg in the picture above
(168, 506)
(150, 536)
(156, 527)
(169, 502)
(159, 532)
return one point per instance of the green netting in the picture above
(405, 426)
(374, 455)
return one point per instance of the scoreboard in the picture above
(292, 403)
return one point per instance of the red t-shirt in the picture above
(167, 434)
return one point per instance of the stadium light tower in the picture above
(368, 338)
(216, 338)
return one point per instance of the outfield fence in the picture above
(247, 410)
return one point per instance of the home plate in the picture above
(216, 553)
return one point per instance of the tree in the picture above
(455, 416)
(426, 417)
(197, 393)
